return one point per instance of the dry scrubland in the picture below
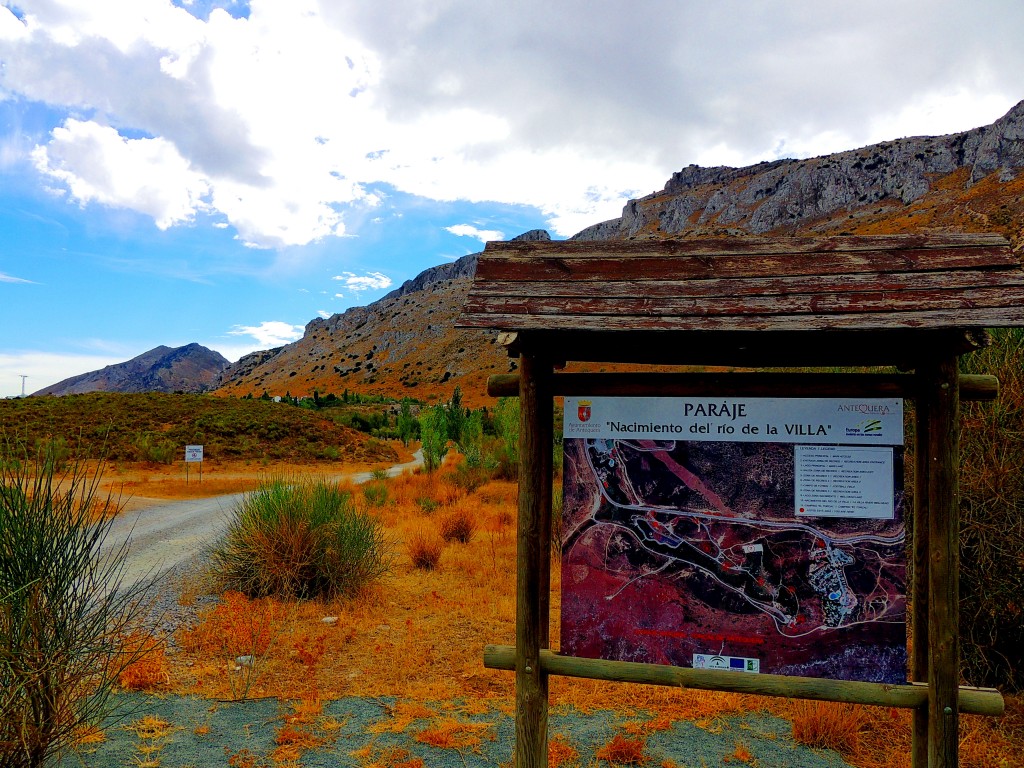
(418, 636)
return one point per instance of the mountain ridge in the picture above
(787, 196)
(190, 368)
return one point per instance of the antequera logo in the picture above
(583, 410)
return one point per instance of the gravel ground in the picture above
(203, 732)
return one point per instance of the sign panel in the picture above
(745, 534)
(193, 453)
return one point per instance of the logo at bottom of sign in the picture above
(734, 663)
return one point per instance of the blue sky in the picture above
(224, 172)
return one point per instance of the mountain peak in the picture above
(191, 368)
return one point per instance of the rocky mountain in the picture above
(192, 368)
(405, 343)
(846, 190)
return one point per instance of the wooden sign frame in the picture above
(545, 320)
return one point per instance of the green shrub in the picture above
(153, 449)
(376, 494)
(505, 452)
(300, 538)
(427, 505)
(64, 612)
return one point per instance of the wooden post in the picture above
(533, 587)
(919, 586)
(943, 560)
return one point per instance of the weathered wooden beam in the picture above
(869, 306)
(972, 387)
(975, 701)
(958, 317)
(942, 394)
(749, 246)
(732, 287)
(533, 559)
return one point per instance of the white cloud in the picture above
(270, 333)
(468, 230)
(323, 313)
(370, 281)
(282, 121)
(146, 175)
(5, 278)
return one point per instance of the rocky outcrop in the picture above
(192, 368)
(785, 195)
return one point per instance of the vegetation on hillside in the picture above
(156, 427)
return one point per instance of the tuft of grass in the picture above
(300, 538)
(828, 725)
(425, 550)
(623, 751)
(450, 733)
(458, 526)
(561, 753)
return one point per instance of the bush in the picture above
(64, 613)
(300, 538)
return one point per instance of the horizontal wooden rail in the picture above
(974, 701)
(972, 387)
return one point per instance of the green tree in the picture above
(471, 442)
(455, 413)
(406, 422)
(506, 426)
(434, 436)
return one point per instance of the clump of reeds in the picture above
(300, 538)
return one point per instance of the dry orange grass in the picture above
(452, 733)
(150, 671)
(623, 751)
(425, 549)
(419, 637)
(560, 752)
(158, 481)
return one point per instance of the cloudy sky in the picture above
(223, 172)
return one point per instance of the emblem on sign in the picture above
(583, 410)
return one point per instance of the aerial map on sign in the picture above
(769, 551)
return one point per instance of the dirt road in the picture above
(162, 534)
